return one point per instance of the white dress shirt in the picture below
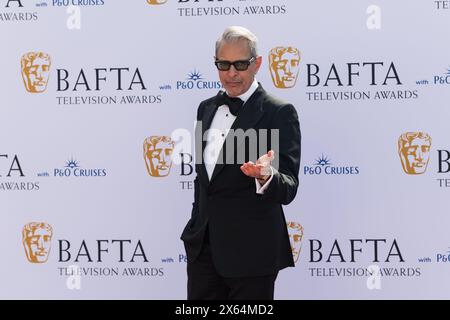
(217, 133)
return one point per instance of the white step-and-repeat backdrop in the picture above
(92, 204)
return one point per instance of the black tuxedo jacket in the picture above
(247, 231)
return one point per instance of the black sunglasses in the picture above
(240, 65)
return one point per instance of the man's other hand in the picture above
(260, 170)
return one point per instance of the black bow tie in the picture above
(234, 104)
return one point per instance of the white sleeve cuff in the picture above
(260, 189)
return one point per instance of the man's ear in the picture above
(258, 63)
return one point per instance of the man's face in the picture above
(159, 158)
(38, 245)
(36, 74)
(237, 82)
(284, 68)
(415, 155)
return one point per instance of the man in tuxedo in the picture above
(236, 240)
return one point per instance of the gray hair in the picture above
(237, 33)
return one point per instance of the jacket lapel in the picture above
(206, 120)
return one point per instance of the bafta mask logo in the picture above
(36, 238)
(35, 71)
(156, 1)
(158, 155)
(414, 150)
(284, 63)
(295, 231)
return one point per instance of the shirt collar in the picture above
(246, 95)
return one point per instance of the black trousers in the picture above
(204, 283)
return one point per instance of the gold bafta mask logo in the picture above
(36, 238)
(158, 155)
(156, 1)
(414, 150)
(284, 63)
(295, 231)
(35, 71)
